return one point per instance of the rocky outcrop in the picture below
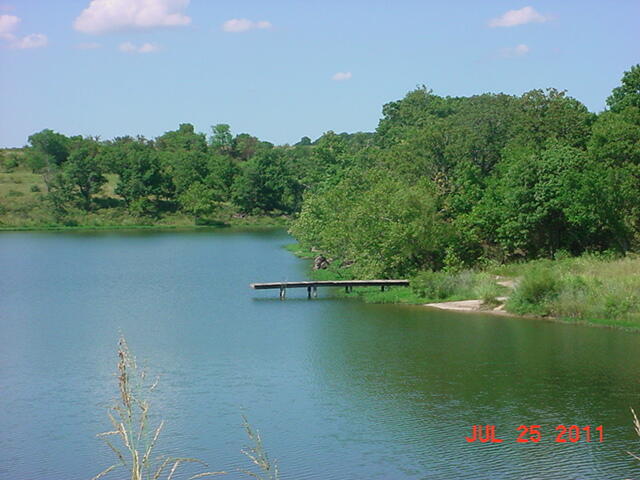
(321, 262)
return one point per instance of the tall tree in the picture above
(52, 144)
(84, 171)
(221, 139)
(628, 93)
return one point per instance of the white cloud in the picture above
(341, 76)
(517, 51)
(238, 25)
(8, 23)
(88, 46)
(102, 16)
(128, 47)
(518, 17)
(34, 40)
(148, 48)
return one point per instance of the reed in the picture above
(132, 439)
(268, 470)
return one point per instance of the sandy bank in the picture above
(470, 306)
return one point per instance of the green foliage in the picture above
(382, 225)
(442, 285)
(266, 184)
(54, 145)
(551, 115)
(556, 199)
(142, 180)
(615, 138)
(83, 170)
(627, 94)
(183, 139)
(10, 162)
(198, 200)
(487, 290)
(534, 292)
(221, 139)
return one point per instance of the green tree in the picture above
(550, 114)
(198, 200)
(266, 185)
(556, 199)
(183, 139)
(142, 180)
(628, 93)
(244, 146)
(54, 146)
(379, 224)
(83, 170)
(616, 137)
(221, 139)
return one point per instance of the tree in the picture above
(244, 146)
(627, 94)
(550, 114)
(266, 184)
(142, 179)
(375, 221)
(616, 137)
(183, 139)
(418, 108)
(198, 200)
(221, 139)
(83, 170)
(221, 173)
(54, 145)
(555, 199)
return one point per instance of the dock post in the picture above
(315, 291)
(382, 288)
(309, 293)
(283, 292)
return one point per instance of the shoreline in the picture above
(498, 311)
(471, 306)
(462, 304)
(257, 223)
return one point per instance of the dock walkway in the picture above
(312, 286)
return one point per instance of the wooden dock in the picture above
(312, 286)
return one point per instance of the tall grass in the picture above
(267, 470)
(133, 440)
(445, 285)
(593, 288)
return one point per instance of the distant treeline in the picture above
(442, 182)
(180, 171)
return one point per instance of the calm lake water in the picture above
(338, 389)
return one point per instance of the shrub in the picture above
(487, 290)
(442, 285)
(34, 188)
(573, 298)
(534, 293)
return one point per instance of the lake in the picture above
(338, 389)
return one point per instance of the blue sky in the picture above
(284, 69)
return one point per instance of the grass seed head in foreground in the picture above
(132, 439)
